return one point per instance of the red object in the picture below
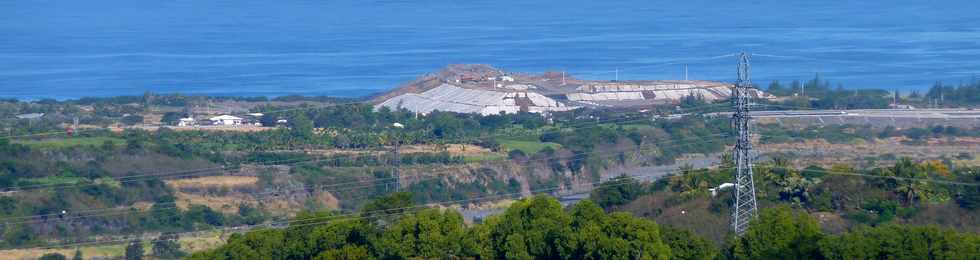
(70, 131)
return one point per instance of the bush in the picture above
(516, 154)
(134, 251)
(618, 191)
(900, 242)
(969, 198)
(780, 233)
(52, 256)
(685, 244)
(132, 119)
(167, 246)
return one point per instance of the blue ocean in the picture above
(68, 49)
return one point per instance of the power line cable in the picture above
(327, 219)
(378, 182)
(658, 64)
(957, 183)
(601, 184)
(195, 172)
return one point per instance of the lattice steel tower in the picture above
(744, 209)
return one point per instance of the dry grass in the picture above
(87, 252)
(287, 206)
(467, 150)
(328, 200)
(453, 149)
(831, 222)
(694, 215)
(199, 243)
(203, 242)
(226, 204)
(820, 152)
(214, 181)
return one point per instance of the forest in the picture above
(819, 93)
(539, 228)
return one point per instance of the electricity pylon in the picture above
(744, 209)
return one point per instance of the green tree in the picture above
(134, 251)
(684, 244)
(262, 244)
(618, 191)
(534, 227)
(301, 126)
(167, 246)
(779, 233)
(170, 118)
(911, 180)
(52, 256)
(428, 234)
(393, 204)
(901, 242)
(269, 120)
(304, 242)
(78, 255)
(538, 228)
(969, 198)
(777, 89)
(596, 235)
(348, 252)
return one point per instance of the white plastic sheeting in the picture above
(455, 99)
(662, 92)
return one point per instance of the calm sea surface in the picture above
(68, 49)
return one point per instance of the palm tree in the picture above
(910, 180)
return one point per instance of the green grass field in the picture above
(69, 142)
(526, 146)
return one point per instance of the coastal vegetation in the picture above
(819, 93)
(539, 228)
(326, 157)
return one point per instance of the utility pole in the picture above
(398, 165)
(744, 209)
(562, 77)
(398, 160)
(802, 88)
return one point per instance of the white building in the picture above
(30, 116)
(187, 121)
(226, 120)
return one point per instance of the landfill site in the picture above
(486, 90)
